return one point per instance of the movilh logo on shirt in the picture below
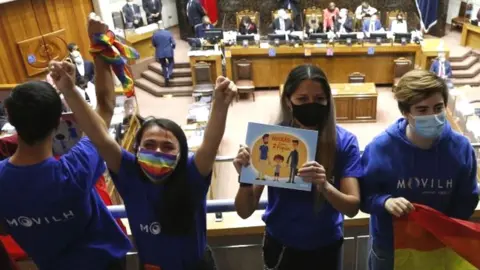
(153, 228)
(28, 222)
(427, 185)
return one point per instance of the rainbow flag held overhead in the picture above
(429, 240)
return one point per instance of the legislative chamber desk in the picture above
(271, 71)
(470, 36)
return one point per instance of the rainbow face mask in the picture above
(157, 166)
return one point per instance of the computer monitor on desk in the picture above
(403, 38)
(378, 38)
(214, 35)
(318, 38)
(245, 39)
(277, 39)
(348, 39)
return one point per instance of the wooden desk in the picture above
(272, 71)
(141, 42)
(354, 102)
(213, 58)
(470, 36)
(430, 49)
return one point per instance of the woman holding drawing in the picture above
(305, 228)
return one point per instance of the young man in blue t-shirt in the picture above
(263, 157)
(419, 159)
(49, 206)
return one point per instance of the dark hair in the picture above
(278, 157)
(71, 46)
(176, 209)
(34, 109)
(327, 137)
(265, 136)
(246, 19)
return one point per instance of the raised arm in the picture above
(94, 126)
(105, 90)
(207, 152)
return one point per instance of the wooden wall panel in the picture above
(26, 19)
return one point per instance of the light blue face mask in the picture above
(430, 126)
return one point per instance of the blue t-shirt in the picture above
(443, 177)
(263, 152)
(141, 199)
(290, 215)
(54, 213)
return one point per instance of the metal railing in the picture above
(217, 206)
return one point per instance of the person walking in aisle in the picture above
(164, 44)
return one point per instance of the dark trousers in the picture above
(207, 263)
(278, 257)
(293, 172)
(167, 66)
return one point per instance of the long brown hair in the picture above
(327, 136)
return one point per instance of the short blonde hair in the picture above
(418, 85)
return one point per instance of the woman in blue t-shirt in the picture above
(304, 229)
(164, 187)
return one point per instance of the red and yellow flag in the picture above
(429, 240)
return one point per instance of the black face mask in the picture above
(310, 114)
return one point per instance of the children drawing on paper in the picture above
(293, 161)
(72, 131)
(278, 160)
(263, 158)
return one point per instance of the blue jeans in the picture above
(379, 259)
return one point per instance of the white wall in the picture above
(454, 8)
(104, 8)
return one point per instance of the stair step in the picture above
(158, 91)
(177, 72)
(465, 64)
(467, 81)
(476, 52)
(158, 79)
(458, 56)
(181, 65)
(473, 71)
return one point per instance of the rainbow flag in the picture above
(429, 240)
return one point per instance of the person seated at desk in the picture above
(344, 24)
(282, 22)
(153, 10)
(132, 14)
(313, 26)
(330, 15)
(247, 27)
(364, 10)
(399, 25)
(200, 28)
(372, 25)
(441, 67)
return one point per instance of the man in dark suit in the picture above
(85, 69)
(132, 14)
(164, 44)
(294, 6)
(282, 22)
(195, 13)
(153, 10)
(343, 24)
(441, 66)
(200, 28)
